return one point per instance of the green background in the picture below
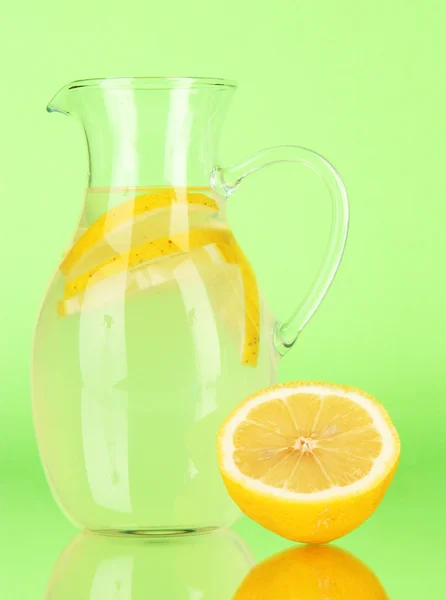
(361, 83)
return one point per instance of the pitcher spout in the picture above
(60, 103)
(148, 131)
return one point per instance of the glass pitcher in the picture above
(154, 327)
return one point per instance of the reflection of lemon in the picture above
(311, 573)
(309, 461)
(129, 211)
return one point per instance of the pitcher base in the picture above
(156, 532)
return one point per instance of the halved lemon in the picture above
(309, 461)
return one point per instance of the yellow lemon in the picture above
(148, 276)
(311, 573)
(234, 255)
(124, 238)
(151, 253)
(128, 212)
(144, 253)
(309, 461)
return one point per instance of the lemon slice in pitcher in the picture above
(309, 461)
(144, 253)
(234, 255)
(154, 250)
(146, 277)
(129, 212)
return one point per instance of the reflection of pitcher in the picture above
(133, 568)
(154, 327)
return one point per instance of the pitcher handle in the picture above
(226, 180)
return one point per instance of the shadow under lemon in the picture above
(96, 567)
(311, 573)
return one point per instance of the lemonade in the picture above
(152, 331)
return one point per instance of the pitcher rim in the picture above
(154, 83)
